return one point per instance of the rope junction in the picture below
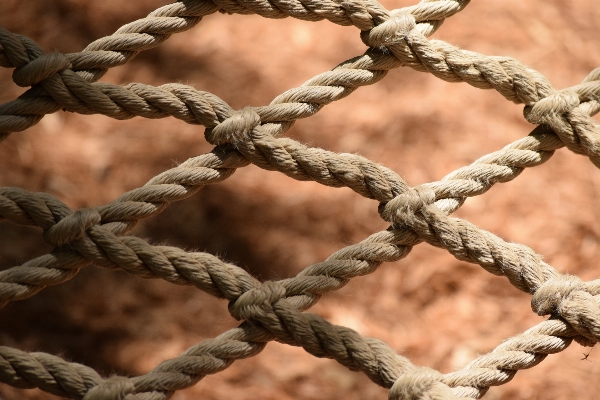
(274, 310)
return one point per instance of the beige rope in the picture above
(541, 139)
(496, 368)
(273, 310)
(521, 352)
(251, 305)
(65, 79)
(369, 179)
(400, 34)
(556, 144)
(332, 279)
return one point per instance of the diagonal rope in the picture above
(316, 336)
(261, 148)
(240, 309)
(523, 268)
(556, 144)
(92, 233)
(409, 46)
(495, 368)
(273, 310)
(544, 140)
(63, 81)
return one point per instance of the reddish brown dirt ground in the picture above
(431, 308)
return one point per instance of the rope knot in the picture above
(550, 296)
(40, 68)
(401, 209)
(72, 227)
(390, 32)
(234, 129)
(558, 103)
(257, 301)
(571, 299)
(568, 113)
(116, 388)
(415, 384)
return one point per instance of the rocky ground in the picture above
(431, 308)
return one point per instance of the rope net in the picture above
(275, 310)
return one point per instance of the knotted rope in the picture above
(68, 86)
(274, 310)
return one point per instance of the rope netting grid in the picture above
(273, 310)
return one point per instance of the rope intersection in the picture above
(274, 310)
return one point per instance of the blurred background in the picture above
(431, 308)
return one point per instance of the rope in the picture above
(316, 336)
(62, 81)
(544, 140)
(400, 35)
(212, 275)
(103, 247)
(274, 310)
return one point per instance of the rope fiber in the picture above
(275, 310)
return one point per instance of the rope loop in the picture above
(390, 32)
(580, 309)
(401, 210)
(72, 227)
(257, 301)
(234, 129)
(15, 52)
(32, 65)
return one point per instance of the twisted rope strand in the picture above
(261, 304)
(225, 125)
(544, 141)
(286, 155)
(208, 273)
(210, 356)
(64, 80)
(516, 82)
(145, 33)
(344, 252)
(272, 310)
(517, 353)
(429, 376)
(91, 234)
(571, 122)
(62, 226)
(406, 381)
(120, 216)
